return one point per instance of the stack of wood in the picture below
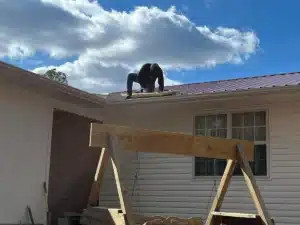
(100, 215)
(170, 220)
(114, 216)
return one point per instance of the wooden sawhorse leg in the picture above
(251, 184)
(95, 191)
(111, 152)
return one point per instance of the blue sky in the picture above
(273, 22)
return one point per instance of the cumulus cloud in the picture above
(108, 44)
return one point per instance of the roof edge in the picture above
(238, 78)
(209, 96)
(56, 86)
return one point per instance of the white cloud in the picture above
(109, 44)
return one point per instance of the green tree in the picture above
(56, 76)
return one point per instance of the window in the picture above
(246, 126)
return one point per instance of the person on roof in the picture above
(146, 77)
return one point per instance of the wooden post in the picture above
(253, 188)
(114, 149)
(224, 184)
(95, 190)
(251, 184)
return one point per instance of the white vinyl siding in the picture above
(166, 185)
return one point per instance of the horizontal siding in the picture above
(166, 185)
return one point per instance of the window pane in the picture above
(212, 125)
(211, 121)
(249, 119)
(222, 133)
(249, 133)
(200, 132)
(209, 167)
(259, 165)
(222, 121)
(200, 166)
(220, 166)
(237, 170)
(237, 119)
(237, 133)
(260, 160)
(211, 132)
(249, 126)
(260, 118)
(260, 152)
(261, 168)
(204, 166)
(200, 122)
(260, 133)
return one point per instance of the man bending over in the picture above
(146, 77)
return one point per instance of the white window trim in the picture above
(229, 113)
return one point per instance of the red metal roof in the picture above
(276, 80)
(239, 84)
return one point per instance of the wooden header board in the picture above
(142, 140)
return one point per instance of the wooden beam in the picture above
(150, 94)
(142, 140)
(253, 188)
(95, 190)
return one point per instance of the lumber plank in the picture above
(150, 94)
(143, 140)
(95, 190)
(235, 214)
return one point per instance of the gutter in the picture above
(208, 96)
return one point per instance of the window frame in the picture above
(229, 113)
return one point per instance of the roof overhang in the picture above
(43, 86)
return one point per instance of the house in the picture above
(264, 109)
(45, 136)
(44, 130)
